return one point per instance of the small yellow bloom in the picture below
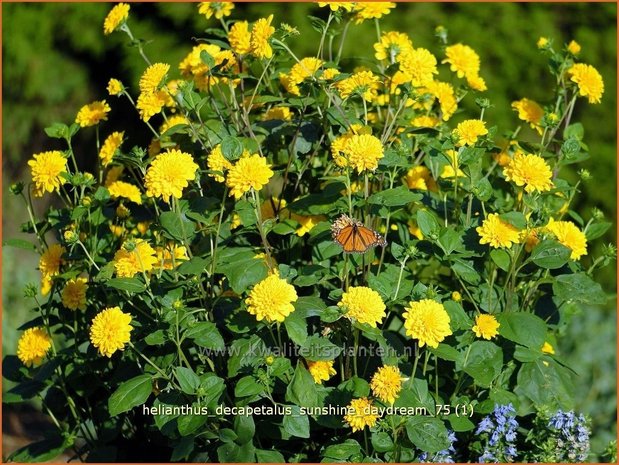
(33, 345)
(173, 120)
(335, 6)
(589, 81)
(169, 173)
(249, 172)
(548, 349)
(386, 383)
(477, 83)
(364, 305)
(361, 413)
(114, 87)
(361, 152)
(113, 174)
(497, 233)
(391, 44)
(151, 103)
(140, 259)
(414, 229)
(122, 211)
(446, 96)
(110, 331)
(125, 190)
(74, 294)
(427, 321)
(463, 60)
(529, 111)
(115, 18)
(542, 42)
(217, 9)
(420, 178)
(425, 122)
(278, 113)
(530, 171)
(419, 66)
(486, 326)
(456, 296)
(271, 299)
(568, 234)
(153, 76)
(321, 370)
(366, 83)
(240, 37)
(371, 10)
(449, 171)
(217, 162)
(573, 47)
(111, 144)
(92, 114)
(49, 265)
(469, 131)
(171, 256)
(260, 34)
(46, 169)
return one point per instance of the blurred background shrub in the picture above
(56, 58)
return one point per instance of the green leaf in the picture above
(382, 442)
(457, 316)
(482, 361)
(550, 255)
(501, 258)
(233, 453)
(396, 197)
(449, 240)
(465, 270)
(212, 386)
(460, 423)
(41, 451)
(187, 379)
(133, 285)
(516, 219)
(231, 148)
(175, 227)
(302, 388)
(247, 386)
(319, 348)
(596, 230)
(57, 131)
(343, 451)
(415, 394)
(20, 244)
(427, 433)
(130, 394)
(182, 449)
(524, 328)
(578, 287)
(546, 384)
(296, 327)
(205, 334)
(188, 424)
(269, 456)
(296, 424)
(241, 268)
(244, 428)
(428, 223)
(576, 131)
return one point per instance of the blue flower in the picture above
(571, 436)
(498, 432)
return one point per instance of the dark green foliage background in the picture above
(56, 58)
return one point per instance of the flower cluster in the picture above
(498, 434)
(569, 436)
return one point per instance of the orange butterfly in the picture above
(353, 236)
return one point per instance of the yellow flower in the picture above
(363, 82)
(33, 345)
(530, 171)
(542, 42)
(250, 171)
(589, 80)
(449, 171)
(140, 259)
(110, 331)
(548, 349)
(419, 66)
(446, 96)
(335, 6)
(110, 146)
(305, 68)
(573, 47)
(217, 162)
(240, 37)
(386, 383)
(468, 131)
(169, 173)
(91, 114)
(171, 256)
(217, 9)
(122, 211)
(115, 18)
(371, 10)
(152, 77)
(114, 87)
(476, 83)
(271, 299)
(427, 321)
(497, 233)
(330, 73)
(260, 34)
(361, 413)
(307, 223)
(174, 120)
(50, 261)
(321, 370)
(391, 45)
(530, 238)
(456, 296)
(46, 168)
(463, 60)
(425, 121)
(361, 152)
(150, 103)
(568, 234)
(113, 174)
(278, 113)
(125, 190)
(414, 229)
(74, 294)
(364, 305)
(486, 326)
(419, 177)
(235, 221)
(529, 111)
